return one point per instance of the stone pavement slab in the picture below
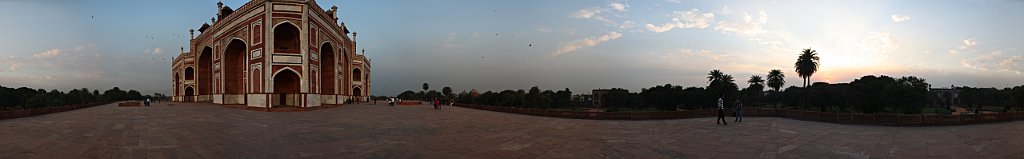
(202, 130)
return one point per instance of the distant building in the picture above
(945, 97)
(582, 100)
(600, 94)
(271, 53)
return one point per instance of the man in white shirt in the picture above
(721, 112)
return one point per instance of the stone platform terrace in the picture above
(193, 130)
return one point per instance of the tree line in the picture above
(26, 98)
(868, 94)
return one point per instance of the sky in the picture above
(552, 44)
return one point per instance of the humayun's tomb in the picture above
(271, 53)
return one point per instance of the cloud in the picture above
(726, 10)
(14, 67)
(996, 61)
(968, 43)
(880, 42)
(448, 40)
(591, 13)
(689, 54)
(627, 25)
(618, 6)
(154, 51)
(674, 1)
(587, 42)
(752, 28)
(688, 19)
(899, 18)
(749, 26)
(88, 47)
(596, 12)
(47, 54)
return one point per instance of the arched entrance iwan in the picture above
(286, 88)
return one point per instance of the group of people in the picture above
(392, 101)
(436, 102)
(721, 112)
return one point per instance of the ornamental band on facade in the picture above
(271, 53)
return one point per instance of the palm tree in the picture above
(807, 64)
(776, 79)
(756, 80)
(728, 79)
(715, 75)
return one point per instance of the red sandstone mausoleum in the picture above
(271, 53)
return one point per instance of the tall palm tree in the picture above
(727, 79)
(807, 64)
(715, 75)
(776, 79)
(756, 80)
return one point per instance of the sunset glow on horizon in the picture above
(581, 45)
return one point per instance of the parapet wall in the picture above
(838, 118)
(11, 114)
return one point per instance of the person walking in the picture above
(437, 105)
(739, 111)
(721, 112)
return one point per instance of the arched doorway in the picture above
(189, 94)
(357, 92)
(286, 88)
(286, 38)
(205, 81)
(190, 73)
(947, 100)
(234, 64)
(327, 65)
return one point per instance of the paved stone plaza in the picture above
(194, 130)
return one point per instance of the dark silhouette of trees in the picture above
(722, 85)
(776, 79)
(665, 97)
(754, 93)
(447, 92)
(868, 94)
(25, 98)
(807, 64)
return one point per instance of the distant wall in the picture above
(11, 114)
(839, 118)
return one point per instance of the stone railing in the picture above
(11, 114)
(838, 118)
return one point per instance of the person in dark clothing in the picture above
(721, 112)
(739, 111)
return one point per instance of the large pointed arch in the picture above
(327, 67)
(177, 82)
(234, 65)
(205, 71)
